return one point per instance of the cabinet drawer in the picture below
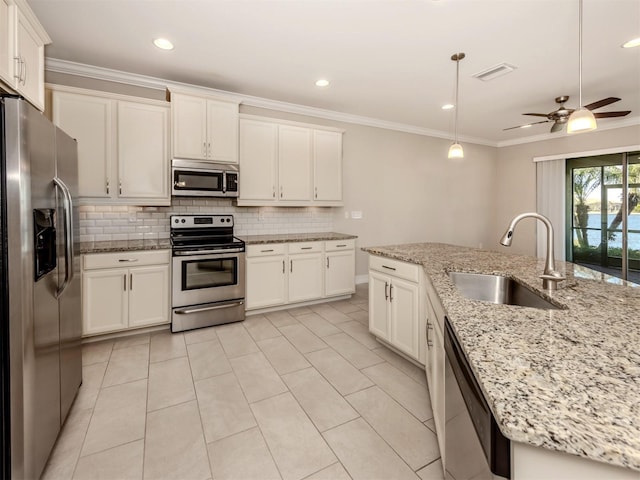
(408, 271)
(266, 249)
(305, 247)
(94, 261)
(334, 245)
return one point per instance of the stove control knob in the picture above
(228, 220)
(176, 221)
(183, 220)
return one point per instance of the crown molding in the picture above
(118, 76)
(609, 125)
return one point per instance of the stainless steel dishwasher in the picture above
(474, 446)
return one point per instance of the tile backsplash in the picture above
(123, 222)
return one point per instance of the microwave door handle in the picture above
(224, 182)
(68, 235)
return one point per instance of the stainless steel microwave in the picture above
(192, 178)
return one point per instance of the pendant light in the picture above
(582, 119)
(455, 150)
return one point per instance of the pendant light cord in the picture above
(580, 52)
(457, 103)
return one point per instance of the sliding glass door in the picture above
(603, 229)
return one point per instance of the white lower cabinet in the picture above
(395, 306)
(435, 361)
(281, 274)
(117, 297)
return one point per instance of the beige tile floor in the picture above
(305, 393)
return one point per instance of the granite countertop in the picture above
(295, 237)
(124, 245)
(566, 380)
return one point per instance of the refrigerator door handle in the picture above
(68, 235)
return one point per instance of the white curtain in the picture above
(550, 202)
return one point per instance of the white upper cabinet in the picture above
(327, 166)
(22, 41)
(204, 128)
(123, 145)
(141, 152)
(258, 160)
(289, 164)
(90, 121)
(294, 163)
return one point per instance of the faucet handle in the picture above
(550, 280)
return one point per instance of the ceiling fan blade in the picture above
(520, 126)
(537, 114)
(602, 103)
(557, 126)
(611, 114)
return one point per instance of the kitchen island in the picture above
(567, 380)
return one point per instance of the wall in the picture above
(515, 187)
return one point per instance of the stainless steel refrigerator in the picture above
(40, 298)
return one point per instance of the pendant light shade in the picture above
(455, 150)
(582, 119)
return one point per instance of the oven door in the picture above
(200, 278)
(197, 181)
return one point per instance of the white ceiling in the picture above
(386, 59)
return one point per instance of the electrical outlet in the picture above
(356, 214)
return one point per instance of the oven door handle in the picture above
(192, 253)
(206, 309)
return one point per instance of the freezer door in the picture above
(68, 270)
(42, 382)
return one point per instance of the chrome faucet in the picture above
(550, 277)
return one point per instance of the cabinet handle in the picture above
(124, 285)
(429, 327)
(388, 268)
(274, 191)
(327, 262)
(120, 187)
(343, 245)
(283, 266)
(386, 294)
(131, 281)
(127, 259)
(107, 186)
(391, 292)
(306, 248)
(265, 251)
(24, 80)
(280, 191)
(18, 75)
(291, 266)
(316, 192)
(209, 154)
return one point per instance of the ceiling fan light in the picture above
(455, 151)
(582, 120)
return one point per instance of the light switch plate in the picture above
(356, 214)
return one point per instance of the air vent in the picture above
(494, 72)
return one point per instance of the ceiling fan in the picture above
(560, 116)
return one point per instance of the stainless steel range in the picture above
(208, 272)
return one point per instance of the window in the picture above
(602, 232)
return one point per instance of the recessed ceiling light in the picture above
(163, 44)
(448, 106)
(632, 43)
(322, 83)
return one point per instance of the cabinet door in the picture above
(189, 126)
(436, 387)
(104, 300)
(258, 160)
(266, 281)
(222, 131)
(305, 277)
(339, 276)
(7, 38)
(143, 156)
(30, 50)
(148, 295)
(379, 305)
(327, 166)
(294, 162)
(403, 298)
(89, 120)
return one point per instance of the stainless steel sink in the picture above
(498, 289)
